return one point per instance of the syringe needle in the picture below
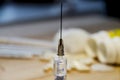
(60, 62)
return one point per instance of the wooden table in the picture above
(16, 69)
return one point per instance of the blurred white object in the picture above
(108, 51)
(116, 41)
(74, 39)
(23, 47)
(94, 41)
(25, 41)
(80, 67)
(98, 45)
(101, 67)
(91, 47)
(15, 51)
(87, 61)
(103, 47)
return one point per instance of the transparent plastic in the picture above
(60, 67)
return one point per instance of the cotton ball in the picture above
(74, 40)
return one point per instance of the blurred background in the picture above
(41, 13)
(12, 11)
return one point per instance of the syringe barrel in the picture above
(60, 67)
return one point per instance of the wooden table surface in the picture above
(16, 69)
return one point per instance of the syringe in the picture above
(60, 62)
